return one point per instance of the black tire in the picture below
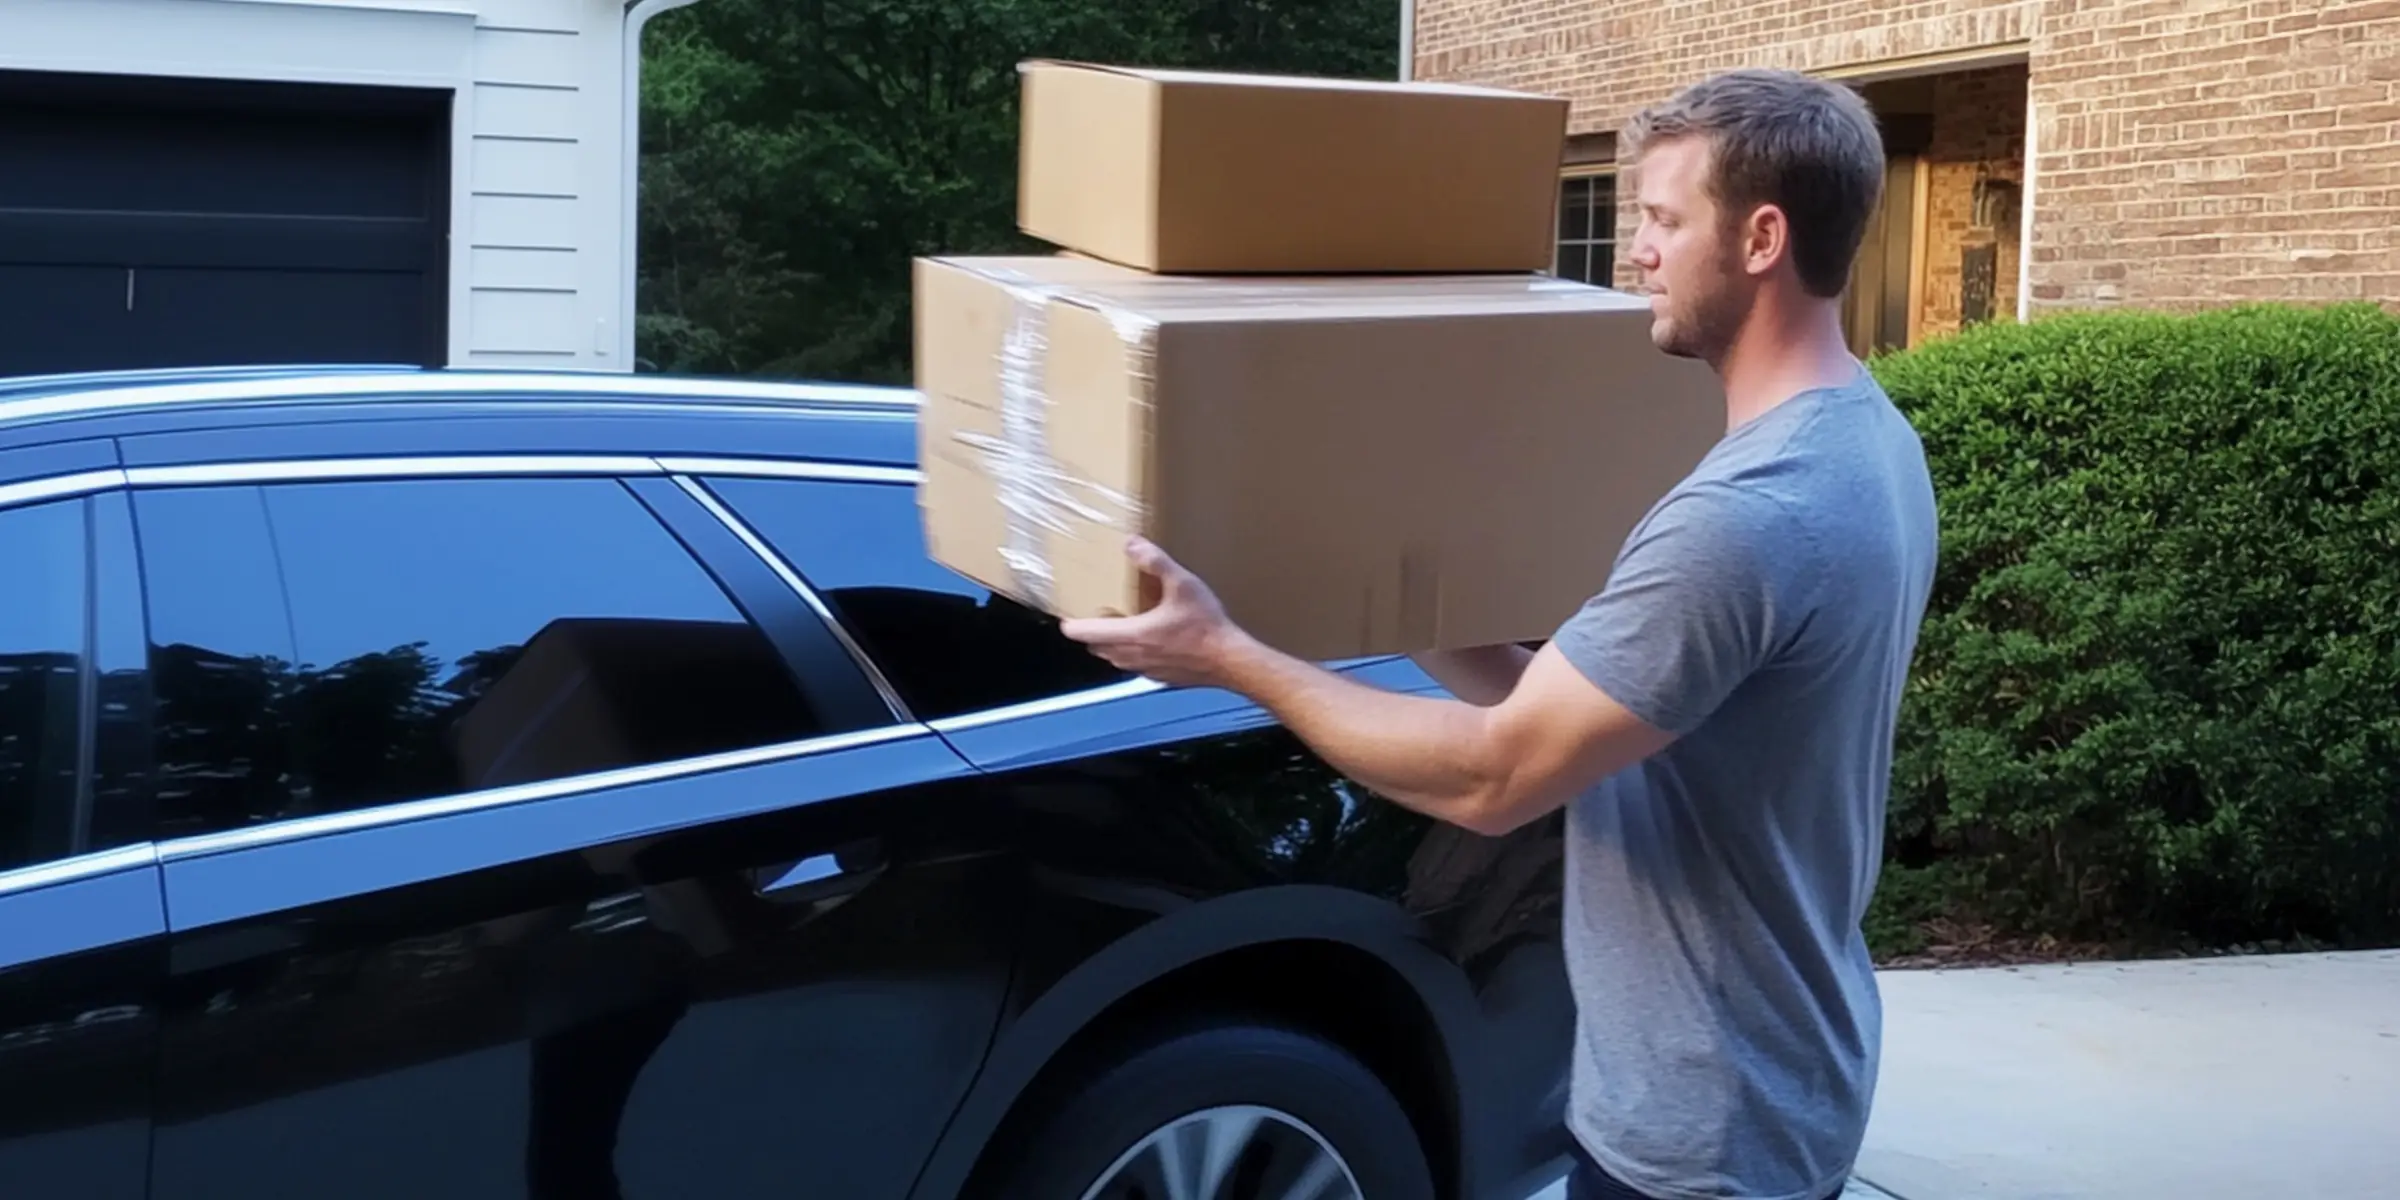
(1328, 1093)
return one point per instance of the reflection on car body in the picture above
(517, 785)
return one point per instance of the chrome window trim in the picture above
(413, 466)
(432, 807)
(755, 468)
(136, 397)
(80, 867)
(399, 466)
(1065, 702)
(808, 595)
(60, 487)
(829, 410)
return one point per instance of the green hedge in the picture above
(2158, 694)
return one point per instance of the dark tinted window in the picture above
(948, 645)
(41, 678)
(323, 647)
(221, 660)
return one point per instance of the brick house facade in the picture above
(2183, 153)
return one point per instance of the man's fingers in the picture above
(1088, 630)
(1153, 561)
(1126, 640)
(1118, 641)
(1104, 631)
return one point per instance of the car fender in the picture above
(1184, 937)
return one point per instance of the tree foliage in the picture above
(798, 153)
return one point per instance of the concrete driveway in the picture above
(2203, 1079)
(2263, 1078)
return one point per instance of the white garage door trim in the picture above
(536, 85)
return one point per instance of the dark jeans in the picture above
(1589, 1182)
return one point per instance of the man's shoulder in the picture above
(1819, 455)
(1835, 421)
(1730, 529)
(1734, 499)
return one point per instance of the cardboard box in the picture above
(1357, 466)
(1186, 171)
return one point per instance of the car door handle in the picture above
(823, 876)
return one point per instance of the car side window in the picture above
(948, 645)
(42, 658)
(323, 647)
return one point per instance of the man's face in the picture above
(1688, 253)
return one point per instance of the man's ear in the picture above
(1766, 239)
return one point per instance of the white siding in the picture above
(514, 166)
(526, 323)
(527, 59)
(524, 222)
(531, 270)
(527, 112)
(536, 265)
(541, 215)
(556, 16)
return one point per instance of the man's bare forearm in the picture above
(1542, 734)
(1429, 755)
(1483, 675)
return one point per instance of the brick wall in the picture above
(2189, 152)
(1978, 127)
(2194, 152)
(1613, 56)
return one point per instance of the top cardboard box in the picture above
(1186, 171)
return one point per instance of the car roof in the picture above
(40, 410)
(12, 386)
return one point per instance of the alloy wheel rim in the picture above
(1231, 1152)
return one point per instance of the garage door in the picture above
(166, 223)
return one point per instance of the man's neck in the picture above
(1782, 352)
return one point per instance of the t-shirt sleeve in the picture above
(1695, 604)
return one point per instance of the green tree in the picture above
(797, 154)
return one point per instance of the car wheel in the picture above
(1228, 1112)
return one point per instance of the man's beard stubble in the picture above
(1703, 326)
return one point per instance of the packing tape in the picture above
(1036, 494)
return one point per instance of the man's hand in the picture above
(1485, 767)
(1184, 639)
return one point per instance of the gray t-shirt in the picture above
(1765, 611)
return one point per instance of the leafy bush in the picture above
(2158, 693)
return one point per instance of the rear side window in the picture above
(42, 655)
(948, 645)
(324, 647)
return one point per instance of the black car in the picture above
(449, 786)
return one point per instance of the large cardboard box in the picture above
(1357, 466)
(1186, 171)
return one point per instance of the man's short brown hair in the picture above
(1804, 145)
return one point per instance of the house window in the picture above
(1587, 229)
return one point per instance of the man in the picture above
(1718, 721)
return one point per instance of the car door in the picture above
(82, 951)
(1138, 802)
(526, 836)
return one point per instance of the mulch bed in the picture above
(1959, 944)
